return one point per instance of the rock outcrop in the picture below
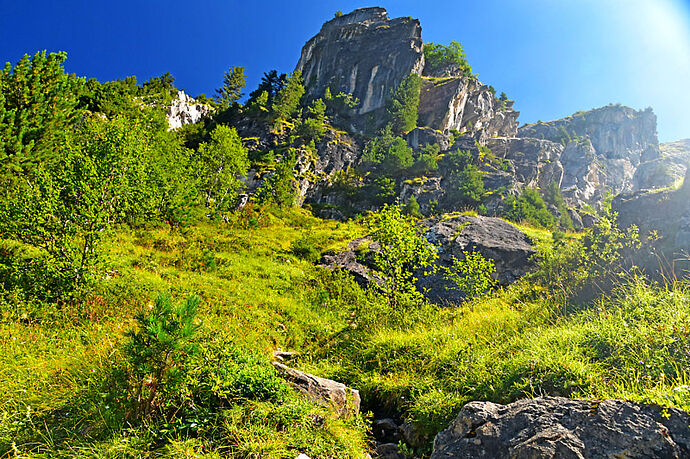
(324, 391)
(363, 53)
(615, 138)
(666, 170)
(554, 427)
(184, 110)
(508, 247)
(466, 105)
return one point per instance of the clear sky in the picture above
(554, 57)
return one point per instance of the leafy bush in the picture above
(305, 249)
(402, 251)
(465, 180)
(388, 153)
(404, 104)
(438, 56)
(553, 196)
(219, 164)
(280, 188)
(529, 207)
(412, 208)
(312, 126)
(426, 160)
(472, 275)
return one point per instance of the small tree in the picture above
(154, 351)
(472, 275)
(287, 100)
(403, 250)
(312, 126)
(437, 56)
(404, 104)
(234, 81)
(389, 153)
(220, 163)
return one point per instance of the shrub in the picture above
(154, 352)
(219, 163)
(412, 208)
(472, 275)
(404, 104)
(465, 180)
(438, 56)
(388, 153)
(305, 249)
(402, 251)
(529, 207)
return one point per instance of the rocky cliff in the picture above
(363, 53)
(466, 105)
(604, 146)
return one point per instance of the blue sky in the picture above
(554, 57)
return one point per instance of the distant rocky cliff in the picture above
(363, 53)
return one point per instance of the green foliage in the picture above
(553, 196)
(104, 177)
(219, 164)
(426, 161)
(338, 14)
(529, 207)
(402, 251)
(465, 180)
(287, 100)
(412, 208)
(38, 108)
(312, 126)
(341, 103)
(153, 352)
(439, 56)
(472, 275)
(306, 249)
(382, 189)
(404, 104)
(271, 84)
(280, 188)
(230, 92)
(388, 153)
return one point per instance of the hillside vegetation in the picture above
(141, 299)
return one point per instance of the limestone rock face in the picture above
(184, 111)
(666, 170)
(620, 139)
(551, 427)
(465, 104)
(536, 162)
(324, 391)
(363, 53)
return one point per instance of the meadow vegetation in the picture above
(140, 307)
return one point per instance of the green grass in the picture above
(421, 362)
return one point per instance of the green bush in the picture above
(404, 104)
(402, 251)
(305, 248)
(473, 274)
(154, 352)
(465, 182)
(529, 207)
(438, 56)
(388, 153)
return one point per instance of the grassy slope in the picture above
(423, 364)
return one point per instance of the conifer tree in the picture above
(234, 81)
